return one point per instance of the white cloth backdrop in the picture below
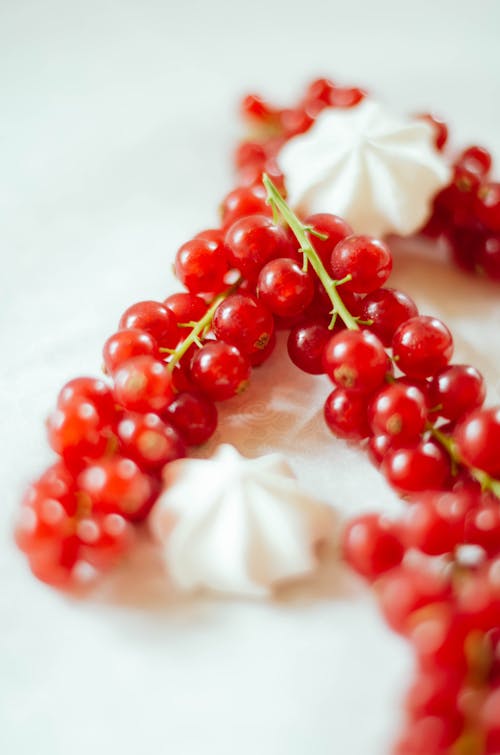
(117, 121)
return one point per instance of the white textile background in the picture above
(116, 124)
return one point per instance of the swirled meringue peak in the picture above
(237, 525)
(377, 170)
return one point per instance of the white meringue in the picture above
(237, 525)
(377, 170)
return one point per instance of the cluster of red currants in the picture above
(394, 391)
(466, 213)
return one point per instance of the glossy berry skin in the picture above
(345, 414)
(76, 431)
(487, 206)
(58, 482)
(367, 260)
(435, 523)
(244, 201)
(149, 441)
(244, 322)
(482, 527)
(125, 344)
(42, 519)
(253, 241)
(285, 288)
(104, 539)
(143, 384)
(91, 389)
(193, 416)
(423, 466)
(476, 159)
(422, 346)
(306, 343)
(457, 390)
(186, 307)
(117, 485)
(371, 545)
(387, 308)
(333, 227)
(356, 360)
(155, 319)
(220, 370)
(201, 265)
(478, 440)
(398, 411)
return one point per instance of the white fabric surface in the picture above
(116, 123)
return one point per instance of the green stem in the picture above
(484, 479)
(310, 254)
(200, 327)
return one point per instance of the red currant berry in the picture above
(194, 417)
(488, 206)
(320, 89)
(457, 390)
(476, 159)
(148, 441)
(334, 228)
(345, 414)
(379, 445)
(124, 345)
(201, 265)
(41, 521)
(440, 129)
(143, 384)
(424, 466)
(356, 360)
(58, 482)
(399, 411)
(117, 485)
(285, 288)
(367, 260)
(478, 440)
(306, 344)
(186, 307)
(76, 431)
(422, 346)
(91, 389)
(371, 545)
(482, 527)
(247, 200)
(435, 524)
(253, 241)
(295, 121)
(243, 322)
(387, 309)
(220, 370)
(407, 589)
(250, 153)
(104, 539)
(155, 319)
(55, 563)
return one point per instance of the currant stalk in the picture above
(483, 478)
(199, 328)
(279, 206)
